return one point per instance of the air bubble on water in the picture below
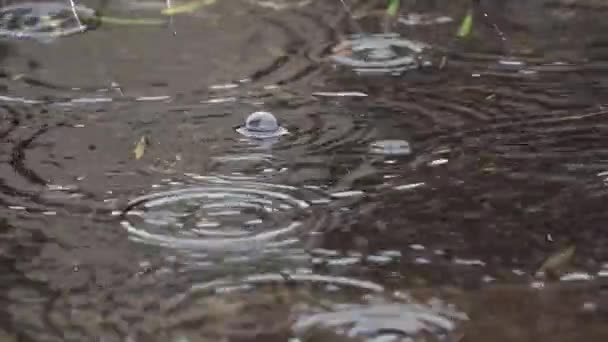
(391, 147)
(262, 125)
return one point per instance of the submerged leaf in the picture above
(557, 262)
(466, 26)
(187, 7)
(140, 147)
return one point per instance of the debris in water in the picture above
(140, 147)
(262, 125)
(555, 264)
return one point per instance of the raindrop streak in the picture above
(380, 54)
(221, 215)
(262, 125)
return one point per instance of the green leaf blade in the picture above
(466, 26)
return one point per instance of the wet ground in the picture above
(421, 183)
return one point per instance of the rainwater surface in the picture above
(288, 170)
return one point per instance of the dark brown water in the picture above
(313, 235)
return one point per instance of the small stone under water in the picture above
(379, 53)
(391, 147)
(262, 125)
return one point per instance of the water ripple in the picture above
(220, 215)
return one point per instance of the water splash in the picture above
(43, 21)
(379, 54)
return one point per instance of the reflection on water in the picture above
(410, 201)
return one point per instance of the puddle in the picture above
(233, 172)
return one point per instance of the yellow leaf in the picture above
(140, 147)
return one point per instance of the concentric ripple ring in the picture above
(220, 216)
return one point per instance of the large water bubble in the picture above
(379, 53)
(262, 125)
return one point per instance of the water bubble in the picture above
(262, 125)
(391, 147)
(379, 53)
